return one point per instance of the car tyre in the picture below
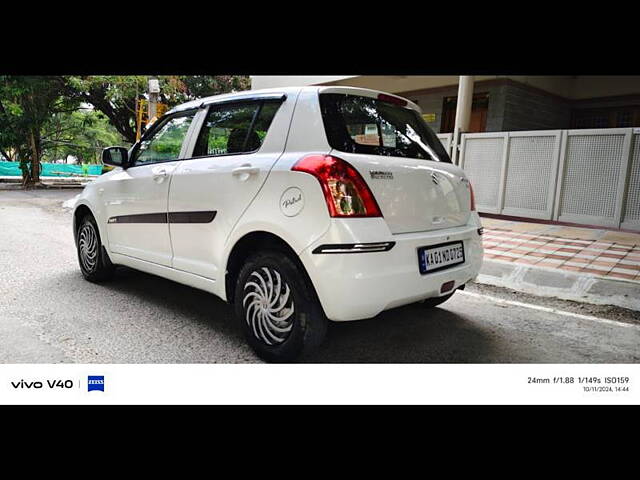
(92, 256)
(281, 317)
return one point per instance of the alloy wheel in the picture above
(88, 247)
(268, 305)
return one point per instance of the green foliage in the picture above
(45, 118)
(115, 95)
(218, 143)
(82, 134)
(166, 144)
(184, 88)
(26, 105)
(13, 131)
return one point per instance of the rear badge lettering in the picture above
(381, 175)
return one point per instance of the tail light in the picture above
(473, 198)
(345, 191)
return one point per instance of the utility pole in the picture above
(154, 94)
(463, 113)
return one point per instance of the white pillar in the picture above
(463, 113)
(154, 93)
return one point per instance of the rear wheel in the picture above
(94, 261)
(280, 316)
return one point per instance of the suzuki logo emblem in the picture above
(434, 178)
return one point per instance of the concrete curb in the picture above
(560, 284)
(49, 182)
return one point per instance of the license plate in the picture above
(438, 257)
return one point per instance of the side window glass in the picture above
(166, 142)
(233, 129)
(264, 119)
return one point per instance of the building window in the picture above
(606, 118)
(624, 119)
(479, 109)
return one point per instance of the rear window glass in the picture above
(357, 124)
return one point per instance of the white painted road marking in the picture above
(550, 310)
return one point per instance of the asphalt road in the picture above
(50, 314)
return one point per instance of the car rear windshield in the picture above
(358, 124)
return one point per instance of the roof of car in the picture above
(274, 92)
(243, 95)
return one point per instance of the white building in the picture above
(503, 103)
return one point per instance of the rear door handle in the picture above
(245, 170)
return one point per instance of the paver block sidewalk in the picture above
(594, 252)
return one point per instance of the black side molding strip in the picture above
(140, 218)
(354, 247)
(192, 217)
(171, 217)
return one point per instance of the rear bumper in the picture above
(354, 286)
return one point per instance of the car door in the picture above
(136, 198)
(236, 147)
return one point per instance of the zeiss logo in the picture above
(95, 382)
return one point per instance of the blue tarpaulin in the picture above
(12, 169)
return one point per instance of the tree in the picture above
(37, 119)
(83, 134)
(198, 86)
(116, 96)
(12, 138)
(26, 104)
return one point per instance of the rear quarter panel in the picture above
(266, 212)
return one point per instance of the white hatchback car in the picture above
(296, 205)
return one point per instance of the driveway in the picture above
(50, 314)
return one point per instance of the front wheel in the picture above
(94, 262)
(281, 317)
